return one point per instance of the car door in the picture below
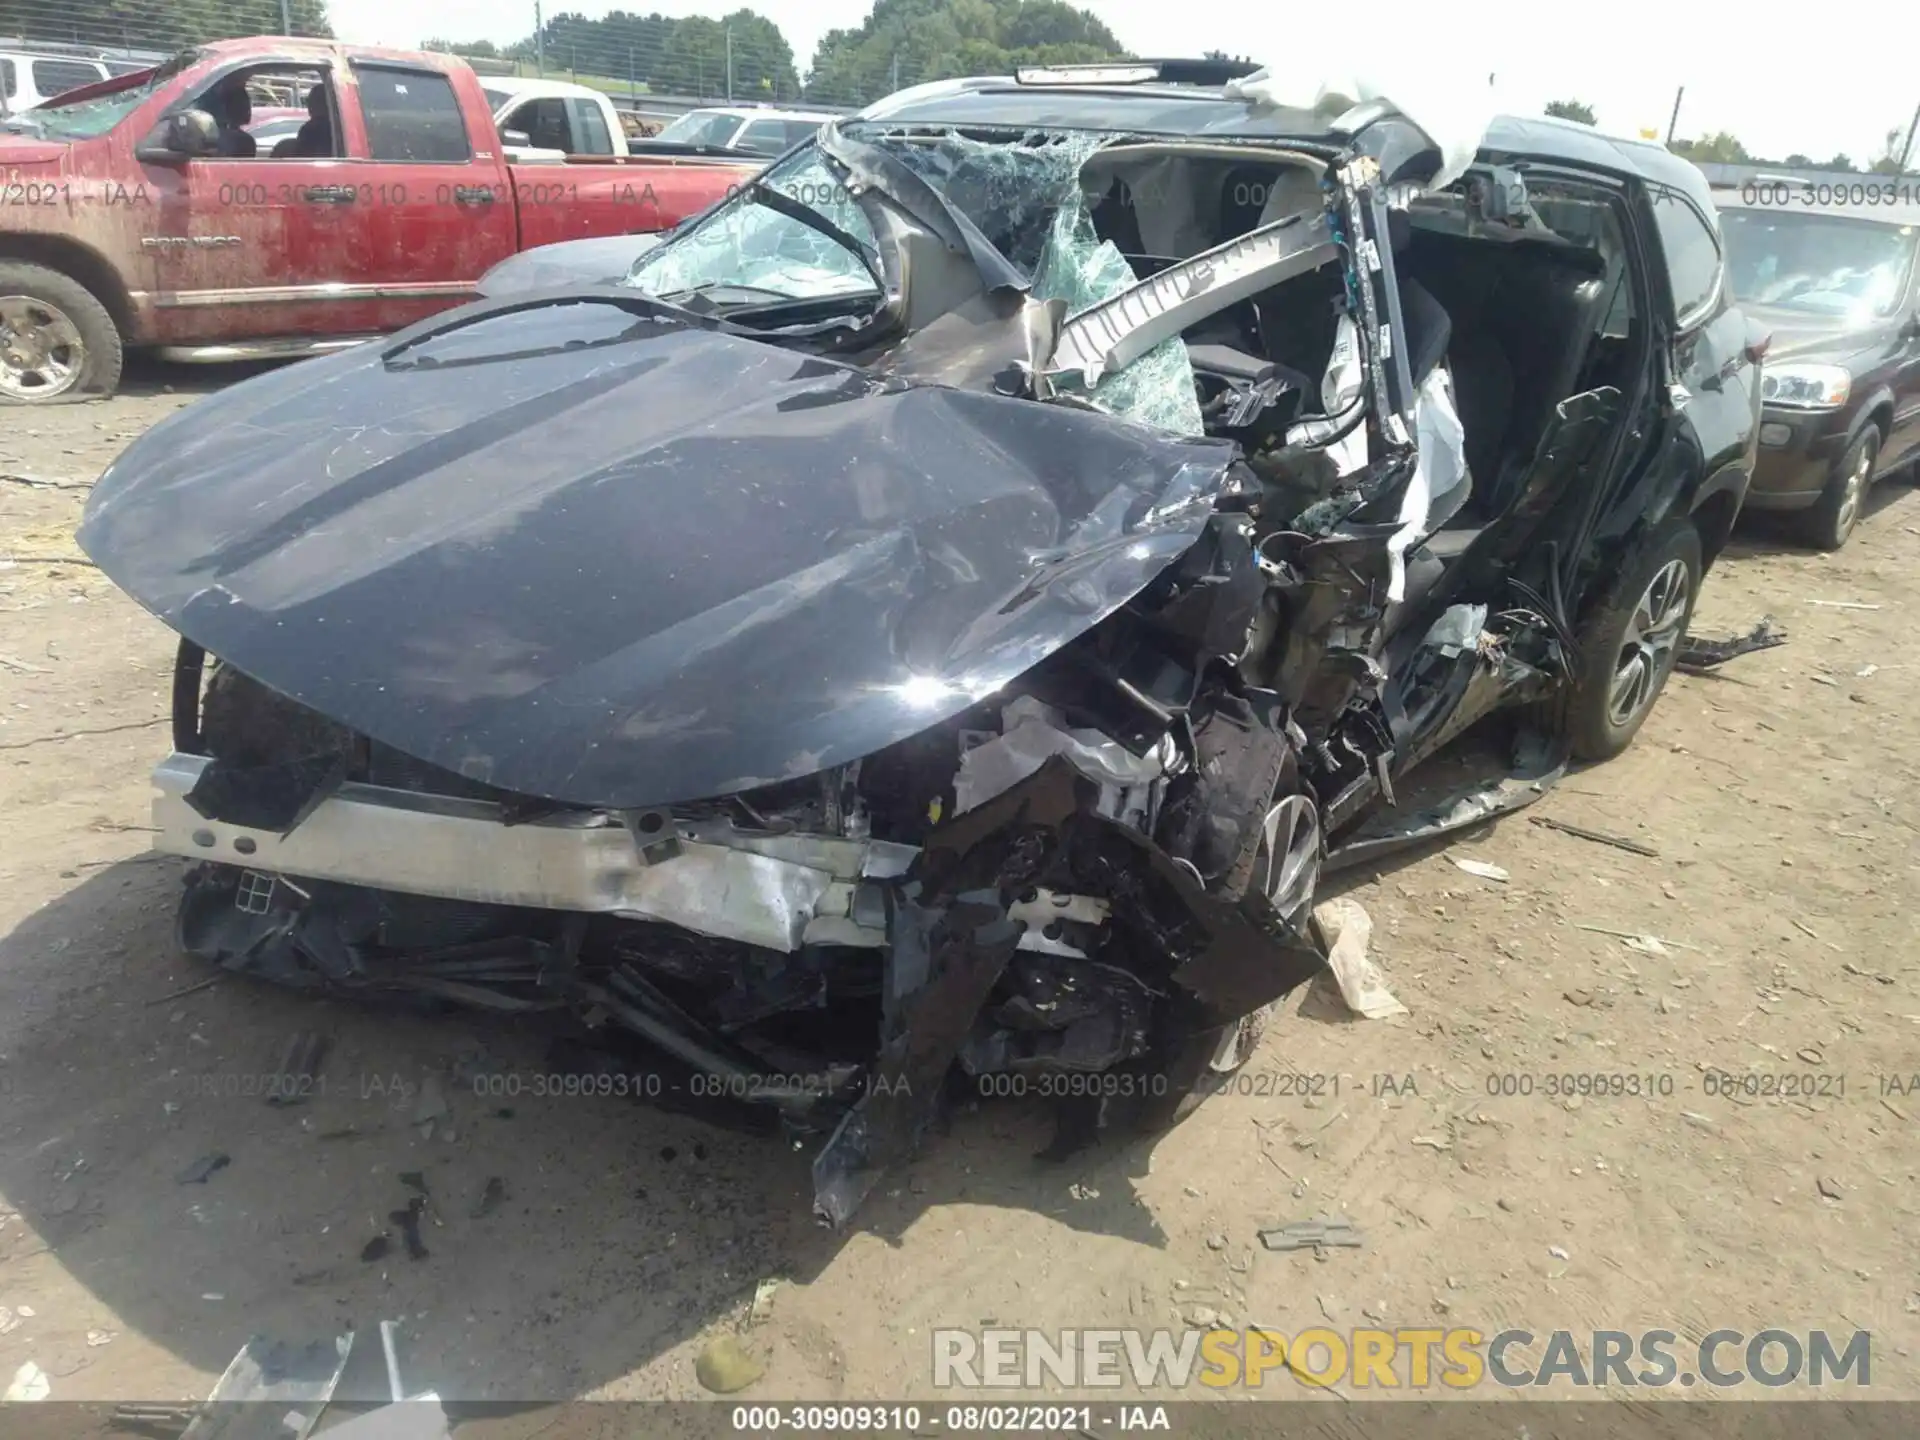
(442, 214)
(1712, 378)
(1903, 437)
(261, 248)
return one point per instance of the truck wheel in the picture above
(1832, 517)
(58, 344)
(1629, 644)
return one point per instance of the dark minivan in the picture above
(1837, 286)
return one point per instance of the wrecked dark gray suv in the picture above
(936, 620)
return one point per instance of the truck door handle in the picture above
(473, 195)
(328, 194)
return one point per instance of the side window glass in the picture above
(1692, 254)
(9, 85)
(590, 128)
(412, 115)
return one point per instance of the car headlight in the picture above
(1806, 387)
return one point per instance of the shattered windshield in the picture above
(1022, 191)
(748, 250)
(1822, 264)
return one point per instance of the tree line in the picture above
(1724, 148)
(154, 24)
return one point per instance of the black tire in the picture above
(1588, 712)
(67, 317)
(1830, 520)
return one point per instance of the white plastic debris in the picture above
(1348, 928)
(1486, 870)
(29, 1383)
(1557, 1253)
(1452, 111)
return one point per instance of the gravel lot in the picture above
(1781, 798)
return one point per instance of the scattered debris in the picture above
(1313, 1235)
(97, 1338)
(1824, 680)
(29, 1383)
(298, 1072)
(376, 1249)
(9, 1320)
(205, 1167)
(1644, 944)
(1842, 605)
(725, 1366)
(408, 1220)
(292, 1383)
(414, 1181)
(762, 1300)
(1828, 1187)
(1558, 1252)
(491, 1195)
(1599, 837)
(1082, 1192)
(1698, 655)
(431, 1106)
(1484, 869)
(1348, 928)
(186, 990)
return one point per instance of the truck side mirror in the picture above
(184, 135)
(516, 139)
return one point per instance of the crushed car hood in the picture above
(597, 552)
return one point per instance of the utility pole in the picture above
(1674, 123)
(633, 93)
(729, 64)
(896, 69)
(286, 17)
(1906, 150)
(539, 40)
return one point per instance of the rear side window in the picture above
(1693, 256)
(764, 137)
(412, 115)
(590, 128)
(56, 77)
(9, 82)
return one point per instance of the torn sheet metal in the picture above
(850, 574)
(1034, 732)
(1449, 109)
(1698, 654)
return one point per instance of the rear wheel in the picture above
(58, 344)
(1628, 645)
(1833, 516)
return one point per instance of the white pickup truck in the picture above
(556, 117)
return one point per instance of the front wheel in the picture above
(1628, 645)
(1833, 516)
(58, 343)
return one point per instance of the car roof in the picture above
(537, 85)
(1205, 112)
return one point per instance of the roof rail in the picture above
(1138, 72)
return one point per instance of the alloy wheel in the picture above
(1854, 490)
(41, 352)
(1653, 636)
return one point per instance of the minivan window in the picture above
(9, 83)
(412, 115)
(56, 77)
(1693, 254)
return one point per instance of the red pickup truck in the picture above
(139, 211)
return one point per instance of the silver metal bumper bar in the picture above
(776, 891)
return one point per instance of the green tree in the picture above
(669, 55)
(1888, 160)
(155, 24)
(909, 42)
(1572, 110)
(1842, 161)
(1798, 161)
(1718, 148)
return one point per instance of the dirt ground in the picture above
(1782, 798)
